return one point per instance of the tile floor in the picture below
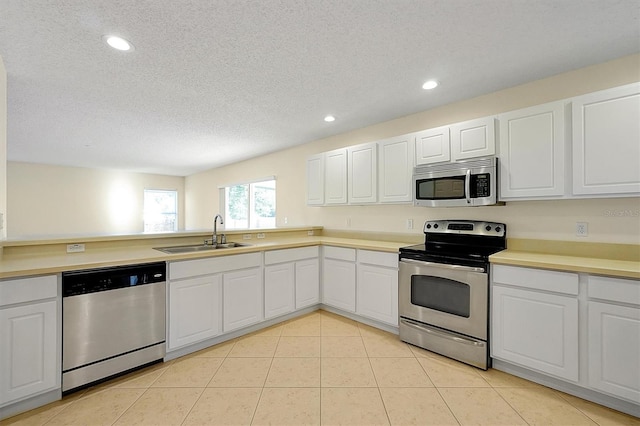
(319, 369)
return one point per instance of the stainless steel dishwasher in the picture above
(113, 321)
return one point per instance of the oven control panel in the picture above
(468, 227)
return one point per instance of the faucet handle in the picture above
(223, 239)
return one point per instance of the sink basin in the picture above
(194, 248)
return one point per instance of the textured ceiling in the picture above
(212, 82)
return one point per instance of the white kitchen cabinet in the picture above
(362, 177)
(29, 360)
(339, 278)
(242, 298)
(614, 336)
(473, 138)
(433, 145)
(279, 289)
(377, 286)
(532, 152)
(335, 176)
(395, 168)
(307, 282)
(315, 180)
(195, 310)
(606, 142)
(533, 327)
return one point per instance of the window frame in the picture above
(144, 209)
(250, 203)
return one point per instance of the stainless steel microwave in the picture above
(460, 184)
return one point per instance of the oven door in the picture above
(451, 297)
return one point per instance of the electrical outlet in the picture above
(582, 229)
(409, 223)
(310, 233)
(348, 222)
(246, 236)
(260, 235)
(75, 248)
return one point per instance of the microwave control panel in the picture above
(480, 185)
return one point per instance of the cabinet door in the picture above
(28, 355)
(536, 330)
(195, 310)
(307, 283)
(433, 146)
(339, 284)
(614, 349)
(279, 283)
(532, 147)
(606, 142)
(377, 292)
(474, 138)
(335, 177)
(315, 180)
(242, 298)
(395, 168)
(362, 176)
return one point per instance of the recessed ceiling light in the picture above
(118, 43)
(431, 84)
(329, 118)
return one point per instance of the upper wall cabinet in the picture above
(606, 142)
(315, 180)
(335, 176)
(362, 174)
(433, 146)
(532, 152)
(474, 138)
(395, 167)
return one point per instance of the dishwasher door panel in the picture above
(97, 326)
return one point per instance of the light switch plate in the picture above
(75, 248)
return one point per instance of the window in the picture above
(250, 205)
(160, 210)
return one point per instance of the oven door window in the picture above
(445, 188)
(441, 294)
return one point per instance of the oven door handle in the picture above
(443, 265)
(467, 186)
(442, 334)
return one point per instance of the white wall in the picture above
(610, 220)
(46, 200)
(3, 149)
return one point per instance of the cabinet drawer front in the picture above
(290, 255)
(213, 265)
(28, 289)
(536, 279)
(340, 253)
(614, 289)
(378, 258)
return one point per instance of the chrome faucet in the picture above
(214, 239)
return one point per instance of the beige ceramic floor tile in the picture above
(241, 373)
(602, 415)
(220, 350)
(383, 347)
(274, 330)
(224, 406)
(298, 346)
(543, 406)
(480, 406)
(101, 408)
(421, 353)
(254, 346)
(368, 331)
(188, 373)
(40, 416)
(294, 373)
(416, 406)
(399, 372)
(500, 379)
(305, 326)
(444, 372)
(342, 347)
(352, 406)
(163, 406)
(335, 325)
(288, 406)
(346, 372)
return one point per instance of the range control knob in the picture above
(428, 226)
(488, 228)
(435, 226)
(498, 229)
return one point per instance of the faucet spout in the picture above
(214, 239)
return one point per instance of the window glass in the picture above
(160, 210)
(251, 205)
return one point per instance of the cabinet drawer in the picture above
(536, 279)
(28, 289)
(290, 255)
(213, 265)
(614, 289)
(378, 258)
(340, 253)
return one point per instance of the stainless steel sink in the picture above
(194, 248)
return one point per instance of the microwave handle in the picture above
(467, 186)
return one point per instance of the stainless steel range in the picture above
(443, 289)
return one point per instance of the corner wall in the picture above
(3, 150)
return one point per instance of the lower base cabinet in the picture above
(242, 298)
(279, 289)
(339, 284)
(377, 287)
(307, 276)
